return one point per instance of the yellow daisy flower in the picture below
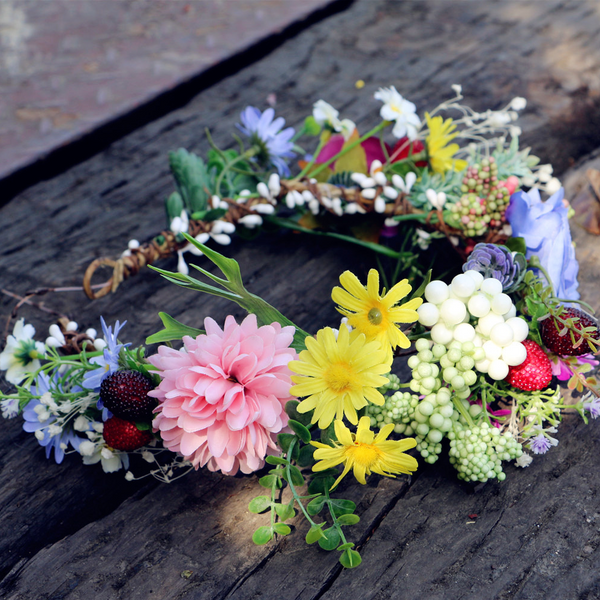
(439, 151)
(374, 315)
(338, 376)
(365, 453)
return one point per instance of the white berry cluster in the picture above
(474, 309)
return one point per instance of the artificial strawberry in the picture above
(534, 373)
(563, 344)
(124, 435)
(125, 394)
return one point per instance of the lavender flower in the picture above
(540, 444)
(545, 228)
(267, 134)
(497, 262)
(593, 406)
(108, 363)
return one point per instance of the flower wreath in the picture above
(484, 347)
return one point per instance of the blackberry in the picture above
(125, 394)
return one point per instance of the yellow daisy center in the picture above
(363, 454)
(340, 377)
(375, 316)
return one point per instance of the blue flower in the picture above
(108, 363)
(593, 406)
(545, 228)
(51, 428)
(267, 134)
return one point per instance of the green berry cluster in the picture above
(477, 452)
(484, 199)
(398, 409)
(452, 365)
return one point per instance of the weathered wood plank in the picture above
(142, 540)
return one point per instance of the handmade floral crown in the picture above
(484, 347)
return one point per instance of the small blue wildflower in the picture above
(52, 430)
(267, 134)
(108, 363)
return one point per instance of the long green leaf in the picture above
(174, 330)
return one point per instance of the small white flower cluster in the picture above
(325, 114)
(94, 450)
(450, 311)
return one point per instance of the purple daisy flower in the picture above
(266, 133)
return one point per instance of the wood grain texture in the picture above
(73, 532)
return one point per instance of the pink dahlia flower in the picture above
(222, 396)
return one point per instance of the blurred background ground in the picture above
(69, 67)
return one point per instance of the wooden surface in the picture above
(70, 531)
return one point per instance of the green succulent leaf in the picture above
(315, 533)
(348, 519)
(259, 504)
(285, 511)
(342, 507)
(302, 432)
(350, 559)
(315, 506)
(330, 540)
(263, 535)
(282, 528)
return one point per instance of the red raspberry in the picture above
(125, 394)
(124, 435)
(534, 373)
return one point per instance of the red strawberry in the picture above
(125, 394)
(124, 435)
(535, 373)
(563, 344)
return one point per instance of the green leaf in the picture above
(328, 435)
(306, 457)
(342, 507)
(516, 244)
(276, 460)
(311, 126)
(282, 528)
(315, 506)
(296, 476)
(291, 408)
(348, 519)
(315, 533)
(284, 440)
(209, 215)
(191, 178)
(320, 485)
(174, 206)
(284, 511)
(421, 289)
(345, 546)
(174, 330)
(259, 504)
(268, 481)
(300, 430)
(350, 559)
(331, 539)
(263, 535)
(143, 426)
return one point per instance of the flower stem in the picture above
(292, 486)
(309, 166)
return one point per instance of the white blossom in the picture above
(402, 112)
(20, 355)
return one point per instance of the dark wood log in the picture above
(70, 531)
